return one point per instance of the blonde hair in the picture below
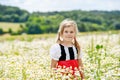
(68, 23)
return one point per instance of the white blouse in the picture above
(55, 52)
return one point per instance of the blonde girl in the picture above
(67, 52)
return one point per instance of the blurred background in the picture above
(43, 16)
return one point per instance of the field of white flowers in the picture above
(30, 60)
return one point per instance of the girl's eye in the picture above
(66, 31)
(71, 31)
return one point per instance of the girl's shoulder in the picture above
(55, 46)
(55, 52)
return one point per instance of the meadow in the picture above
(7, 25)
(26, 57)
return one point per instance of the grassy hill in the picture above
(7, 25)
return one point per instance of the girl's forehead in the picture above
(69, 28)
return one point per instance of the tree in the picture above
(10, 31)
(1, 31)
(117, 26)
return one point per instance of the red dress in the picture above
(69, 63)
(66, 56)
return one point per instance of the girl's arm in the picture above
(53, 63)
(81, 68)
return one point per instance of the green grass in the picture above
(7, 25)
(26, 37)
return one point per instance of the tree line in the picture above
(48, 22)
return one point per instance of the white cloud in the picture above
(60, 5)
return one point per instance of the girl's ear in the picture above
(61, 38)
(73, 41)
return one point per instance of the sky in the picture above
(63, 5)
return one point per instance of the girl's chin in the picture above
(68, 40)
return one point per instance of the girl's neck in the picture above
(66, 43)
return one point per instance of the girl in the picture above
(66, 51)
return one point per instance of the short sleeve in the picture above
(55, 52)
(81, 54)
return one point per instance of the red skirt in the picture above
(73, 64)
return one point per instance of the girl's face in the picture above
(68, 34)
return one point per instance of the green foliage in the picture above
(42, 24)
(87, 21)
(10, 30)
(13, 14)
(99, 47)
(48, 22)
(1, 31)
(117, 25)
